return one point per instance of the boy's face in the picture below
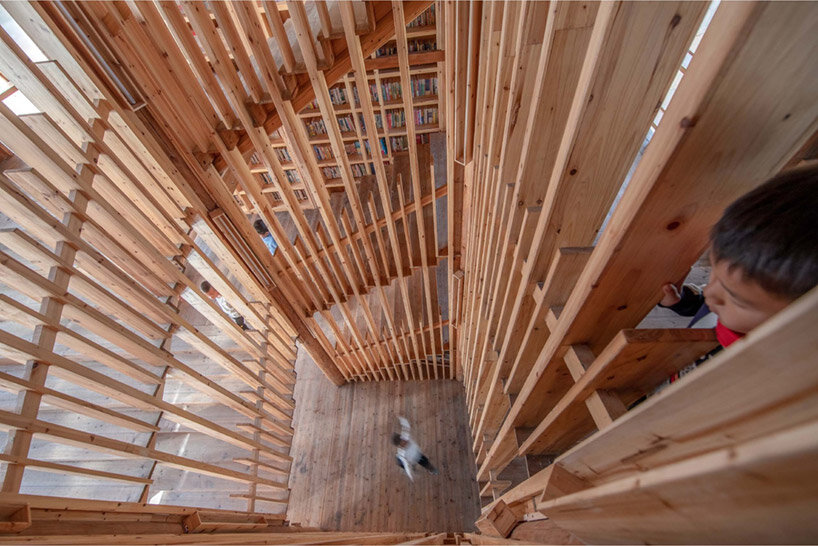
(741, 304)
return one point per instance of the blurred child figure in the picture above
(409, 453)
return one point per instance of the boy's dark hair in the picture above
(205, 286)
(396, 439)
(260, 227)
(771, 233)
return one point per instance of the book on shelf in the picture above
(354, 148)
(316, 127)
(391, 91)
(425, 19)
(331, 172)
(401, 143)
(266, 179)
(323, 152)
(387, 50)
(301, 195)
(395, 118)
(378, 121)
(418, 45)
(426, 116)
(358, 170)
(292, 176)
(282, 154)
(346, 124)
(276, 196)
(398, 143)
(422, 87)
(338, 96)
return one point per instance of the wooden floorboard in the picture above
(344, 473)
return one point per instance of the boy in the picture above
(223, 303)
(409, 453)
(266, 236)
(764, 256)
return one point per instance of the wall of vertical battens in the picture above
(102, 254)
(546, 122)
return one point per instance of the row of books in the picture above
(346, 124)
(354, 148)
(422, 87)
(301, 195)
(414, 45)
(323, 152)
(391, 91)
(292, 176)
(378, 121)
(282, 154)
(331, 172)
(395, 118)
(425, 116)
(401, 143)
(421, 45)
(338, 95)
(316, 127)
(358, 170)
(424, 19)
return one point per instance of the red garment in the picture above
(726, 336)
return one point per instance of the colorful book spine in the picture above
(331, 172)
(425, 19)
(422, 87)
(346, 124)
(316, 127)
(283, 154)
(323, 152)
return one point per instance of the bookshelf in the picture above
(386, 94)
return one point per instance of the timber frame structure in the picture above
(489, 192)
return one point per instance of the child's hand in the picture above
(670, 295)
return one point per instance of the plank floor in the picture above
(344, 475)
